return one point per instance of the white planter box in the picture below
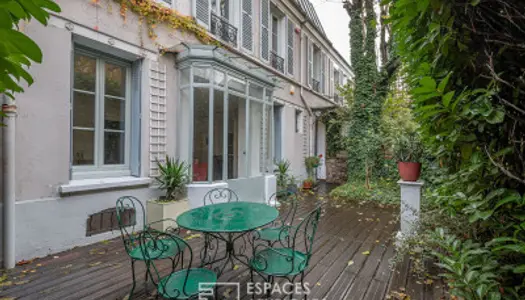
(163, 210)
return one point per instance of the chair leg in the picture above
(302, 286)
(146, 277)
(133, 277)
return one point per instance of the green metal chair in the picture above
(291, 258)
(185, 283)
(127, 208)
(220, 195)
(286, 200)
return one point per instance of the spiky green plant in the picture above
(172, 179)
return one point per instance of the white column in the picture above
(410, 205)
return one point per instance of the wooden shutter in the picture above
(202, 12)
(265, 32)
(323, 73)
(310, 56)
(332, 79)
(247, 28)
(290, 42)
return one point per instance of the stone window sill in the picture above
(87, 185)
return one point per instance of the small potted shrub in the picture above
(281, 173)
(308, 183)
(408, 152)
(311, 163)
(172, 179)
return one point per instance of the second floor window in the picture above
(220, 17)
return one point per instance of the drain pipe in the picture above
(8, 162)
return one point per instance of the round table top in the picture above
(228, 217)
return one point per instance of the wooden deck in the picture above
(351, 260)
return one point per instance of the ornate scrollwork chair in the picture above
(291, 256)
(127, 209)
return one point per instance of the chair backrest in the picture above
(303, 235)
(220, 195)
(130, 228)
(287, 202)
(153, 245)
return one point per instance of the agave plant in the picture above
(173, 177)
(281, 172)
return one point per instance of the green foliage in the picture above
(396, 117)
(382, 191)
(408, 148)
(471, 268)
(311, 162)
(16, 49)
(282, 173)
(466, 80)
(173, 177)
(336, 121)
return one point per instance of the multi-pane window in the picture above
(275, 35)
(100, 113)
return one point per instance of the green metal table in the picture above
(226, 222)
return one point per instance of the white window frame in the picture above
(298, 121)
(99, 169)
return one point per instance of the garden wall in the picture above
(337, 168)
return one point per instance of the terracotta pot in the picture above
(409, 171)
(307, 185)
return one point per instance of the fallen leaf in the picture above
(38, 265)
(236, 267)
(350, 262)
(3, 278)
(5, 283)
(193, 236)
(33, 271)
(7, 298)
(95, 264)
(227, 293)
(366, 253)
(126, 297)
(21, 282)
(377, 241)
(67, 266)
(56, 256)
(105, 242)
(429, 281)
(24, 262)
(318, 284)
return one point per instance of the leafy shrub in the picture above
(173, 177)
(282, 173)
(384, 192)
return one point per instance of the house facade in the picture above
(112, 97)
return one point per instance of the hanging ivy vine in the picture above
(153, 14)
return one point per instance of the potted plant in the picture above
(311, 163)
(281, 173)
(308, 183)
(172, 179)
(408, 151)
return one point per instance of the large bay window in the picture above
(101, 113)
(225, 124)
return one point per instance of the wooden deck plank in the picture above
(103, 271)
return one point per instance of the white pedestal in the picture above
(410, 205)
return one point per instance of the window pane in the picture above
(83, 146)
(256, 91)
(115, 83)
(237, 85)
(268, 137)
(236, 137)
(201, 75)
(255, 138)
(85, 73)
(83, 110)
(114, 145)
(200, 133)
(185, 124)
(114, 114)
(219, 78)
(218, 134)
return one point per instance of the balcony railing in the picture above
(316, 85)
(223, 30)
(277, 62)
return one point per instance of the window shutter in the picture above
(265, 25)
(202, 12)
(310, 56)
(290, 42)
(136, 82)
(247, 30)
(323, 73)
(332, 79)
